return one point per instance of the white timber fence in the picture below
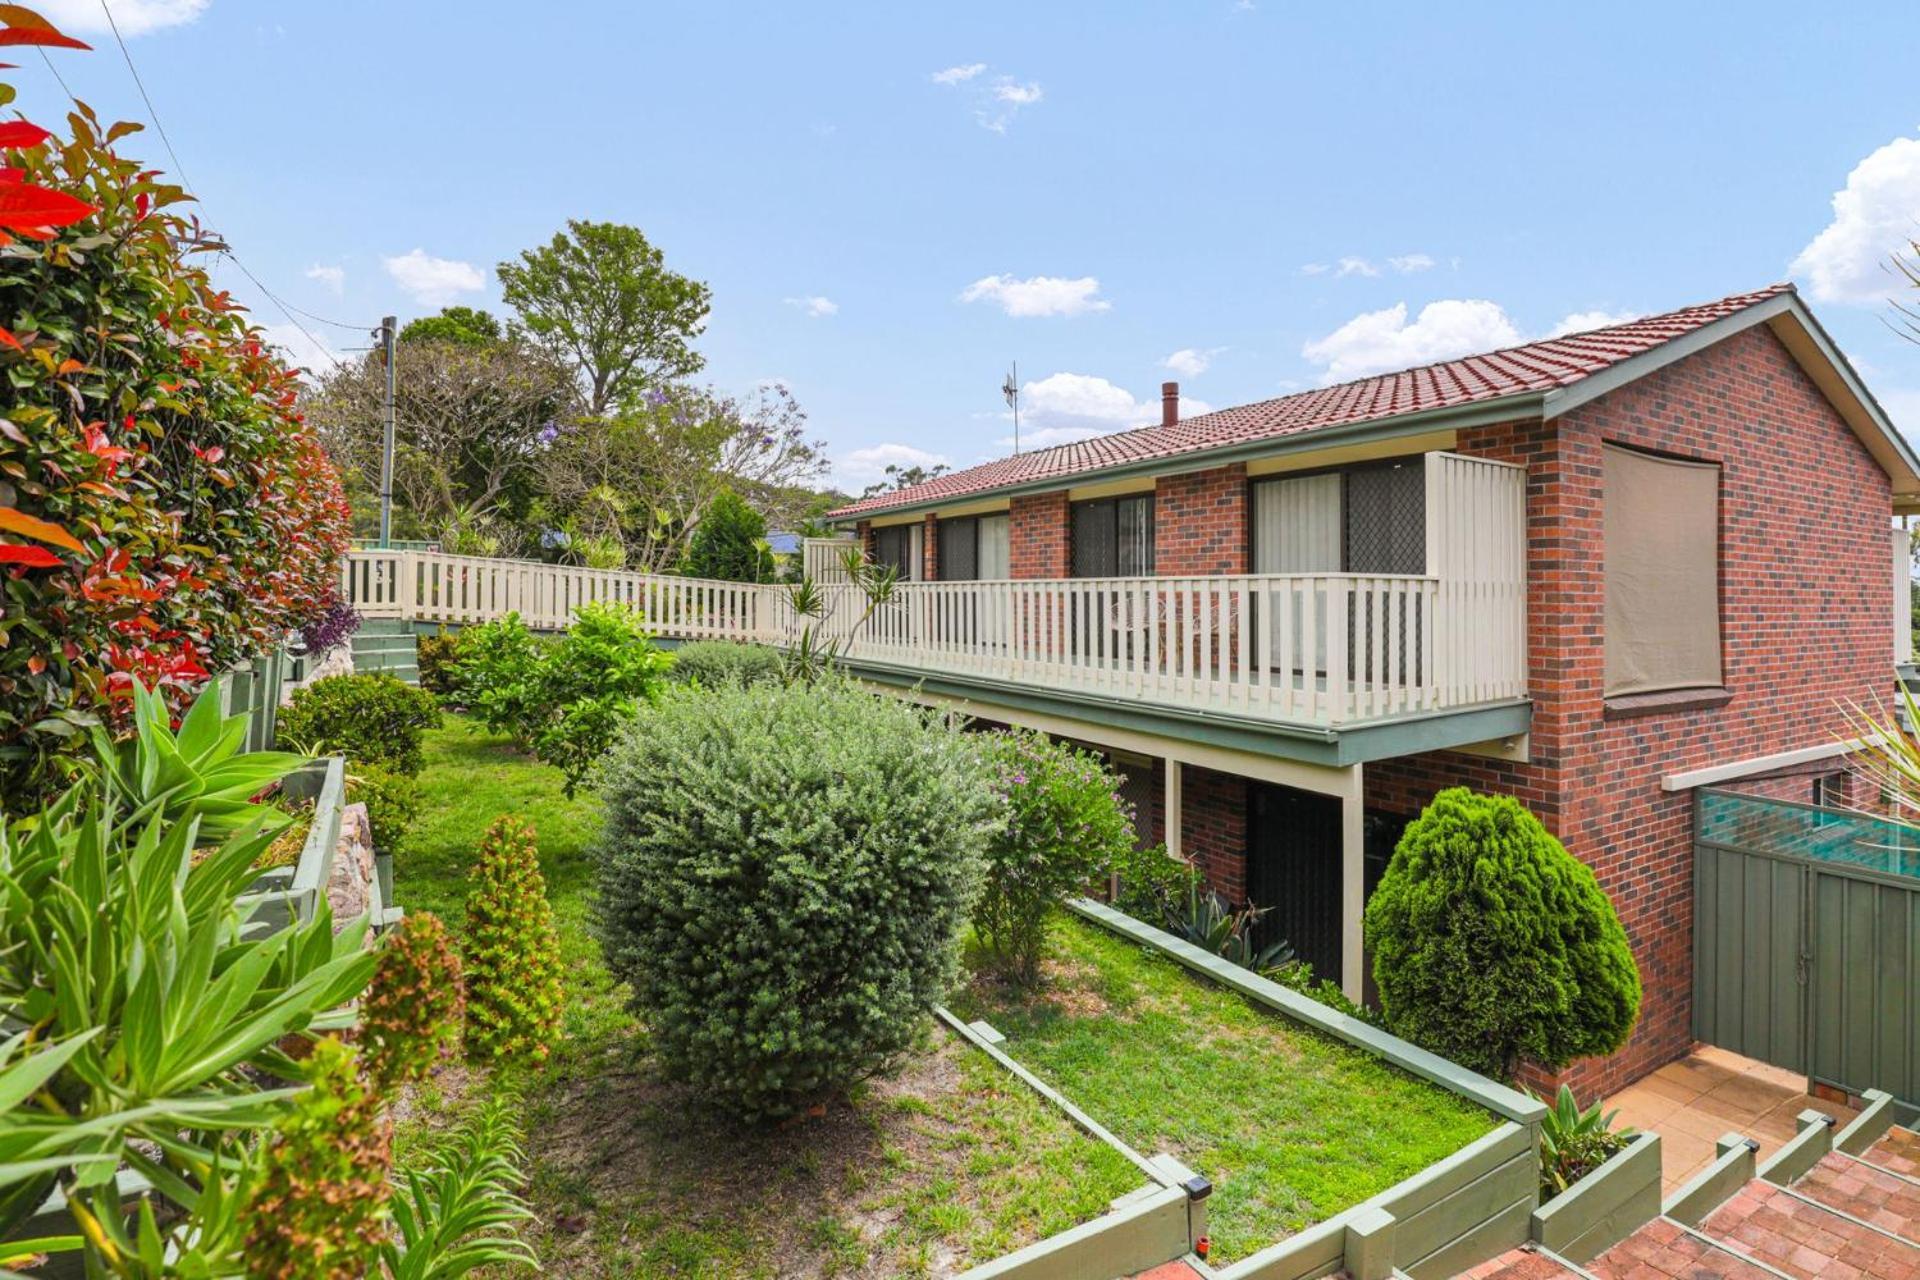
(1308, 648)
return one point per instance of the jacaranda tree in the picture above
(164, 511)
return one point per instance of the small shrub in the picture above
(374, 719)
(392, 800)
(1064, 825)
(1152, 882)
(438, 657)
(1573, 1143)
(1298, 975)
(589, 684)
(730, 542)
(497, 675)
(1208, 922)
(331, 627)
(784, 876)
(317, 1208)
(1492, 943)
(512, 958)
(410, 1016)
(712, 663)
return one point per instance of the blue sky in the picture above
(892, 202)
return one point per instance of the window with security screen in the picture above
(1661, 536)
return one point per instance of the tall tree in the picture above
(646, 476)
(599, 294)
(462, 326)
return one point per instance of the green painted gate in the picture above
(1806, 940)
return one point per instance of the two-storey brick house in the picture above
(1592, 572)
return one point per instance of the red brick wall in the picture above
(930, 557)
(1037, 535)
(1200, 522)
(1805, 604)
(1213, 831)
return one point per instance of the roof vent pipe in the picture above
(1169, 403)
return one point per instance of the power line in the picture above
(56, 75)
(154, 115)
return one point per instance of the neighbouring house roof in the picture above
(1547, 377)
(782, 543)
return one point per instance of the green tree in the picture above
(462, 326)
(730, 542)
(599, 294)
(1492, 943)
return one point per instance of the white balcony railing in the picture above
(1318, 649)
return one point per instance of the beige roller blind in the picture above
(1662, 535)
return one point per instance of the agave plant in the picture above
(199, 772)
(146, 1014)
(1210, 924)
(1574, 1142)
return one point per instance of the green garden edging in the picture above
(1812, 1140)
(1869, 1126)
(1491, 1094)
(1605, 1207)
(1732, 1169)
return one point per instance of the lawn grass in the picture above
(946, 1165)
(1291, 1125)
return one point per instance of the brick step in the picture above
(1858, 1188)
(1524, 1263)
(1898, 1150)
(1806, 1240)
(1664, 1249)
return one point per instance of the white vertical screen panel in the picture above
(1902, 596)
(1297, 527)
(995, 556)
(916, 553)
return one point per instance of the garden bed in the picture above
(1290, 1125)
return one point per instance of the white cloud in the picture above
(303, 350)
(960, 74)
(1585, 321)
(335, 278)
(995, 101)
(1075, 406)
(1191, 362)
(1038, 296)
(1404, 264)
(434, 282)
(859, 468)
(1378, 341)
(134, 17)
(1874, 216)
(815, 305)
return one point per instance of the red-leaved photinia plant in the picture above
(164, 511)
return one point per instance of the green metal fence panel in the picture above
(1749, 985)
(1807, 940)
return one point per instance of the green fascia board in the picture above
(1333, 748)
(1504, 409)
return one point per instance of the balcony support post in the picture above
(1353, 883)
(1173, 807)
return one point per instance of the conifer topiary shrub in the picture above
(410, 1016)
(1492, 943)
(512, 959)
(784, 877)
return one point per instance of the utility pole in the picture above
(386, 438)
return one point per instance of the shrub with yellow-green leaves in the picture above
(410, 1016)
(514, 992)
(317, 1210)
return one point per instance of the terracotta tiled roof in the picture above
(1536, 366)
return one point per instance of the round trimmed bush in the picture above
(784, 876)
(712, 663)
(1492, 943)
(373, 719)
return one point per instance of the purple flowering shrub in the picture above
(1065, 825)
(333, 625)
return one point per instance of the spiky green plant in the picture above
(514, 990)
(461, 1209)
(410, 1017)
(1573, 1142)
(1889, 757)
(317, 1209)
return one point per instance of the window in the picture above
(898, 545)
(1370, 519)
(1113, 537)
(959, 550)
(1661, 537)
